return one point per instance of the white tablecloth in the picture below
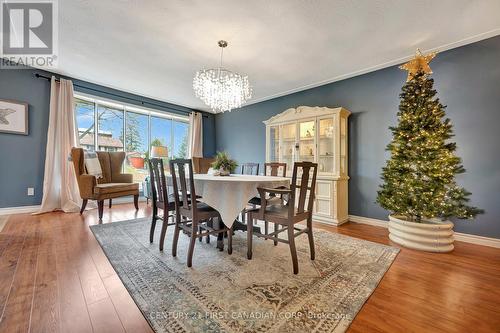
(229, 195)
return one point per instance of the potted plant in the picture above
(419, 186)
(136, 160)
(223, 164)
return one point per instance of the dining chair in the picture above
(198, 214)
(285, 215)
(250, 169)
(160, 199)
(274, 169)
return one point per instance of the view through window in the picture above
(131, 129)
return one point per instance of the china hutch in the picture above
(315, 134)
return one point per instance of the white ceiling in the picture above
(153, 48)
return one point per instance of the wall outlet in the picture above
(31, 191)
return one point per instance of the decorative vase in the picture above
(430, 235)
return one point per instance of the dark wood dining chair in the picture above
(285, 216)
(274, 169)
(250, 169)
(199, 215)
(160, 199)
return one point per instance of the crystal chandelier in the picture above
(221, 89)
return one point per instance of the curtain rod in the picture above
(39, 76)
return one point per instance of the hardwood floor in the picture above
(54, 277)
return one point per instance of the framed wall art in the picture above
(13, 117)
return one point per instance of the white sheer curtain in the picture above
(60, 188)
(195, 134)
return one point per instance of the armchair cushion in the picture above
(108, 188)
(92, 164)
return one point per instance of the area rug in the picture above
(228, 293)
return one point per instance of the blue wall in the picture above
(22, 158)
(467, 80)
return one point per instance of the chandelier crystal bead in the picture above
(221, 89)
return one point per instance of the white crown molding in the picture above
(19, 210)
(461, 237)
(442, 48)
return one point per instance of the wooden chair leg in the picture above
(200, 229)
(275, 229)
(84, 204)
(164, 229)
(220, 235)
(210, 223)
(136, 201)
(293, 250)
(311, 239)
(230, 241)
(110, 202)
(153, 224)
(249, 236)
(176, 234)
(266, 228)
(100, 208)
(192, 241)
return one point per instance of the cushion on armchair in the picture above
(115, 188)
(92, 164)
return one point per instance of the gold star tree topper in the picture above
(419, 63)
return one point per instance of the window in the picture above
(137, 143)
(161, 132)
(110, 135)
(122, 127)
(180, 144)
(85, 123)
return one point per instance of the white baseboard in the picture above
(19, 210)
(467, 238)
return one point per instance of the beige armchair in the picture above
(113, 184)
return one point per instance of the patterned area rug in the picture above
(228, 293)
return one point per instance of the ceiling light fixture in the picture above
(221, 89)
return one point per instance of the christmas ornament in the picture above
(419, 63)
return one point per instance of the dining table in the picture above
(229, 195)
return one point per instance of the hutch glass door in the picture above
(326, 145)
(307, 144)
(274, 142)
(288, 139)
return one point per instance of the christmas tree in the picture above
(419, 178)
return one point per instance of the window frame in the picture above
(127, 107)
